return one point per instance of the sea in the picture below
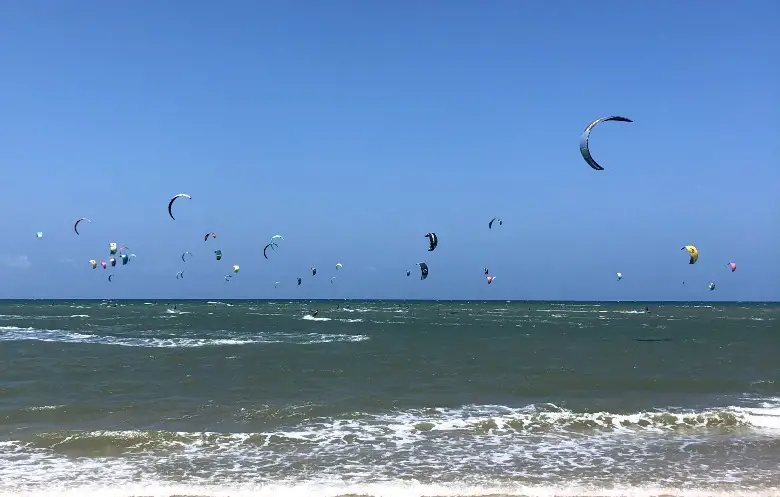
(388, 398)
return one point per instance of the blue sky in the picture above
(353, 128)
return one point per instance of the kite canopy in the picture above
(434, 241)
(173, 199)
(585, 151)
(423, 270)
(76, 226)
(265, 249)
(490, 224)
(693, 252)
(733, 266)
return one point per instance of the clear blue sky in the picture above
(353, 128)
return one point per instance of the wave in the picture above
(471, 450)
(14, 333)
(314, 318)
(416, 426)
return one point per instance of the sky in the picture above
(354, 128)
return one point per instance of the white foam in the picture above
(479, 445)
(14, 333)
(386, 489)
(314, 318)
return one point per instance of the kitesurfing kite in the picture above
(732, 265)
(110, 276)
(39, 234)
(112, 248)
(619, 276)
(185, 253)
(712, 285)
(112, 261)
(408, 272)
(586, 136)
(486, 270)
(299, 282)
(490, 224)
(180, 274)
(206, 237)
(93, 262)
(490, 279)
(423, 270)
(265, 249)
(338, 266)
(218, 254)
(236, 268)
(76, 226)
(693, 252)
(433, 239)
(173, 199)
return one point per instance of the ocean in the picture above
(388, 398)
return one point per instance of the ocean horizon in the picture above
(249, 299)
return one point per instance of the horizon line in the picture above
(213, 299)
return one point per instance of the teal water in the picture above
(388, 398)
